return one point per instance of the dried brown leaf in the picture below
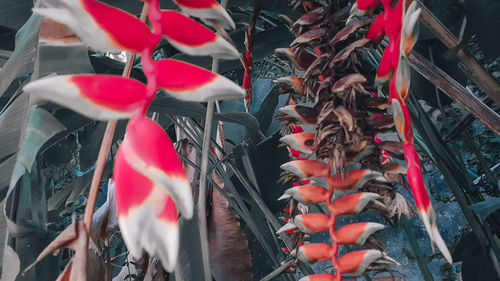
(348, 81)
(312, 17)
(230, 257)
(345, 52)
(345, 32)
(313, 37)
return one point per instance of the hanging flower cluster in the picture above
(151, 183)
(399, 23)
(330, 63)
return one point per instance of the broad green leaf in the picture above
(485, 208)
(176, 107)
(41, 127)
(21, 62)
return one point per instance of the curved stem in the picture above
(202, 212)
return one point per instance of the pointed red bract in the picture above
(302, 142)
(189, 82)
(303, 114)
(311, 223)
(148, 149)
(313, 252)
(192, 38)
(356, 233)
(357, 262)
(352, 180)
(353, 203)
(101, 26)
(101, 97)
(307, 194)
(305, 169)
(146, 214)
(207, 10)
(377, 28)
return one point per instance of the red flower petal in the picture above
(189, 82)
(191, 37)
(101, 97)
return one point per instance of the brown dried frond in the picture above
(288, 177)
(373, 243)
(398, 206)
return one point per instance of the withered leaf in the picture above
(345, 52)
(345, 32)
(312, 37)
(394, 147)
(230, 257)
(312, 17)
(74, 237)
(347, 81)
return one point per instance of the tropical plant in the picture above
(345, 118)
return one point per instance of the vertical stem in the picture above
(422, 264)
(202, 212)
(202, 216)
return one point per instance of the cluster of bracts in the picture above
(151, 183)
(329, 66)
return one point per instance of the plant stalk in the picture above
(202, 194)
(474, 71)
(455, 91)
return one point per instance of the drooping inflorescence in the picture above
(151, 184)
(349, 147)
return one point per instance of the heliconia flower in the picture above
(103, 27)
(356, 233)
(305, 169)
(291, 82)
(353, 180)
(193, 38)
(319, 277)
(189, 82)
(100, 97)
(422, 201)
(354, 203)
(313, 252)
(147, 214)
(306, 194)
(303, 114)
(301, 60)
(358, 262)
(308, 223)
(209, 11)
(149, 150)
(302, 142)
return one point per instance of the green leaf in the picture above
(21, 62)
(176, 107)
(485, 208)
(41, 127)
